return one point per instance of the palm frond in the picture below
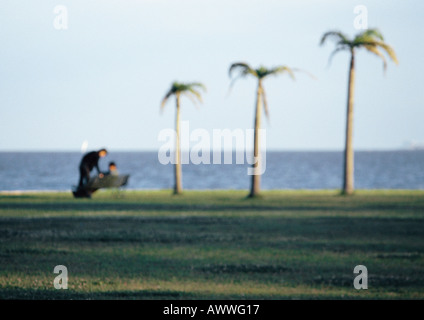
(342, 42)
(281, 70)
(389, 50)
(188, 89)
(371, 34)
(195, 93)
(165, 99)
(191, 97)
(241, 67)
(370, 39)
(375, 50)
(373, 47)
(198, 84)
(337, 50)
(361, 39)
(305, 72)
(232, 84)
(337, 36)
(243, 70)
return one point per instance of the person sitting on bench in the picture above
(113, 170)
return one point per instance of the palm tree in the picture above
(373, 41)
(261, 73)
(189, 90)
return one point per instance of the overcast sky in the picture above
(102, 79)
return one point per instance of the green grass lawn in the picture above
(212, 245)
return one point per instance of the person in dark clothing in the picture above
(88, 163)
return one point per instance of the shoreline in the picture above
(46, 191)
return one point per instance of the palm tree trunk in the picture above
(178, 188)
(349, 155)
(256, 178)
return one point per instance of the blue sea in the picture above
(284, 170)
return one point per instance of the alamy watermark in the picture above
(61, 281)
(361, 20)
(208, 149)
(60, 21)
(361, 280)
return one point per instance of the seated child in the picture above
(112, 169)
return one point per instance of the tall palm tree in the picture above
(189, 90)
(372, 40)
(243, 70)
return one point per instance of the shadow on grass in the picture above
(158, 207)
(19, 294)
(16, 293)
(209, 229)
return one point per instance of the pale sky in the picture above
(102, 79)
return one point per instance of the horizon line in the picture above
(211, 150)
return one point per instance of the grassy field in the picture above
(212, 245)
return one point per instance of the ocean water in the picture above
(284, 170)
